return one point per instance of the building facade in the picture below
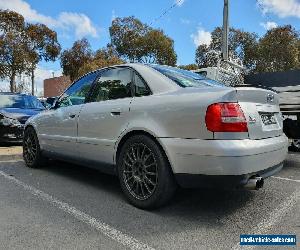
(56, 85)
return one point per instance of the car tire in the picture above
(145, 174)
(31, 149)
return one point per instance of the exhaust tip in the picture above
(254, 183)
(260, 183)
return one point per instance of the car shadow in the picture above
(187, 204)
(84, 175)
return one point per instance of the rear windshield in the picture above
(20, 101)
(185, 78)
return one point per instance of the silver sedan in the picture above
(159, 127)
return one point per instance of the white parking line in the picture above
(274, 217)
(285, 179)
(9, 161)
(102, 227)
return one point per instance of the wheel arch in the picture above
(131, 133)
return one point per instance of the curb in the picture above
(11, 157)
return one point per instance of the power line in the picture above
(166, 11)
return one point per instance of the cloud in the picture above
(282, 8)
(113, 15)
(269, 25)
(77, 22)
(179, 2)
(201, 37)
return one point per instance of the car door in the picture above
(58, 130)
(106, 116)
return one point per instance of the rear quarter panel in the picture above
(180, 114)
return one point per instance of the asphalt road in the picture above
(63, 206)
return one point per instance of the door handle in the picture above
(72, 116)
(116, 111)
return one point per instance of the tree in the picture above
(242, 47)
(278, 50)
(73, 59)
(126, 36)
(157, 48)
(207, 57)
(103, 58)
(42, 45)
(188, 67)
(137, 42)
(13, 46)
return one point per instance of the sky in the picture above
(189, 23)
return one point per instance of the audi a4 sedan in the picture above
(159, 127)
(15, 109)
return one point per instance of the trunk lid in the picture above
(261, 109)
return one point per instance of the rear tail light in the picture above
(225, 117)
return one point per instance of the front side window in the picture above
(185, 78)
(78, 92)
(113, 84)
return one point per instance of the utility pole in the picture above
(225, 53)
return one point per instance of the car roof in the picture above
(157, 82)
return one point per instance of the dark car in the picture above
(15, 109)
(48, 102)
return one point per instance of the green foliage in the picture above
(278, 50)
(13, 49)
(42, 45)
(74, 58)
(80, 59)
(241, 48)
(23, 45)
(137, 42)
(188, 67)
(103, 58)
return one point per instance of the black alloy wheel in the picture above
(145, 174)
(31, 149)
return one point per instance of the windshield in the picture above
(185, 78)
(20, 101)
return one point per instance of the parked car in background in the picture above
(157, 127)
(15, 109)
(48, 102)
(51, 100)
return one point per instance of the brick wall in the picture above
(56, 85)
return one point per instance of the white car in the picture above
(157, 127)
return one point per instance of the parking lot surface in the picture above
(64, 206)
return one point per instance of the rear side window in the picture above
(113, 84)
(185, 78)
(140, 87)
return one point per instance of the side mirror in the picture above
(55, 104)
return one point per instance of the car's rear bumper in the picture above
(224, 157)
(223, 181)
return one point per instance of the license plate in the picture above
(268, 119)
